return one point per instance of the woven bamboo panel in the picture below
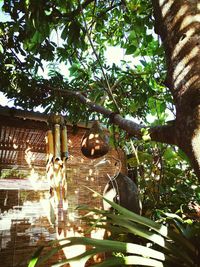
(22, 147)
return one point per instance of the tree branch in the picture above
(164, 134)
(109, 91)
(78, 10)
(87, 2)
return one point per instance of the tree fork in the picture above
(178, 24)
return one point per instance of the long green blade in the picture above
(35, 257)
(129, 260)
(161, 229)
(150, 235)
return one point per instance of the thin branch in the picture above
(110, 8)
(78, 9)
(97, 57)
(115, 85)
(93, 20)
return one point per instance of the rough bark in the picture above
(178, 24)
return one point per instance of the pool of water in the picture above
(25, 221)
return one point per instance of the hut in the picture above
(27, 202)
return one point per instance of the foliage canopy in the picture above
(40, 35)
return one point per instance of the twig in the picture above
(97, 57)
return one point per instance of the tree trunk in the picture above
(178, 24)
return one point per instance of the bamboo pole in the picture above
(64, 146)
(57, 150)
(50, 144)
(57, 155)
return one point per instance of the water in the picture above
(24, 221)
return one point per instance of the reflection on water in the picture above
(31, 213)
(24, 224)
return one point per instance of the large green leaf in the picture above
(129, 260)
(171, 253)
(35, 257)
(101, 246)
(159, 228)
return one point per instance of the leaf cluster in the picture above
(41, 35)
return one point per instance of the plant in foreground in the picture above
(160, 245)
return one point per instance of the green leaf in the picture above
(159, 228)
(145, 134)
(131, 49)
(65, 31)
(182, 155)
(116, 246)
(1, 48)
(35, 257)
(37, 37)
(169, 154)
(129, 260)
(101, 246)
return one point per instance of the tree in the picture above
(29, 40)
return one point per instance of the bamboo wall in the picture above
(26, 216)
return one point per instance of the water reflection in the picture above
(24, 224)
(32, 214)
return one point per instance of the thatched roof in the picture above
(22, 135)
